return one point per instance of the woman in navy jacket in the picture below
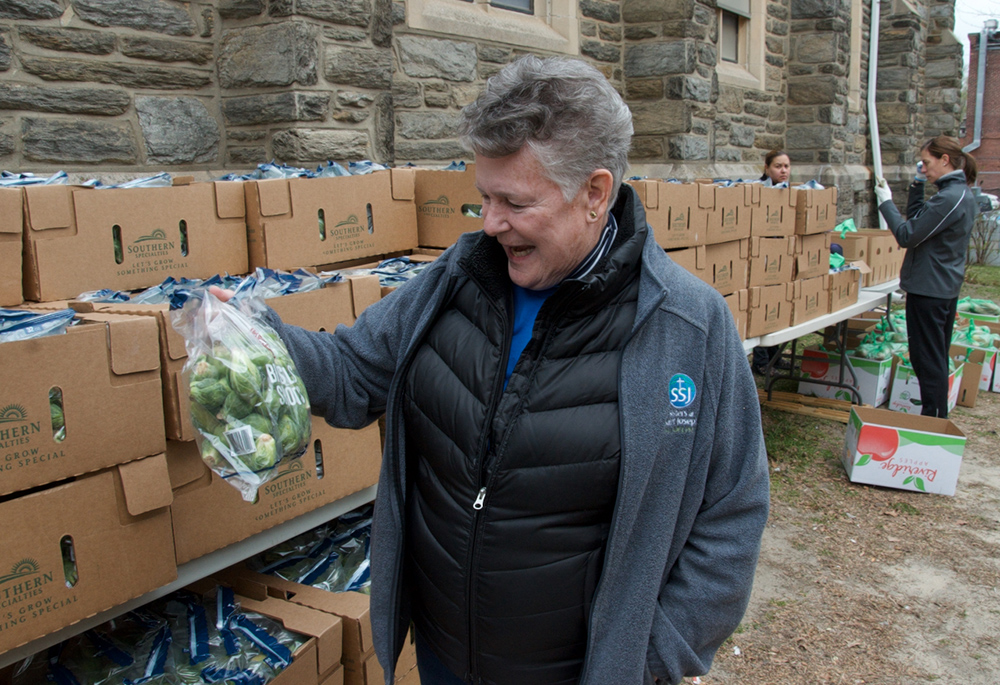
(936, 237)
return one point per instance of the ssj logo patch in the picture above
(682, 391)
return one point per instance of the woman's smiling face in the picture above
(544, 236)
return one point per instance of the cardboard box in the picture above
(108, 373)
(772, 260)
(918, 453)
(115, 526)
(812, 255)
(729, 217)
(317, 310)
(770, 309)
(739, 303)
(973, 362)
(810, 299)
(873, 377)
(773, 212)
(442, 198)
(338, 463)
(723, 265)
(854, 246)
(843, 287)
(335, 677)
(411, 678)
(11, 232)
(905, 394)
(678, 212)
(361, 667)
(987, 360)
(815, 210)
(296, 222)
(195, 230)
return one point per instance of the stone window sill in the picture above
(557, 33)
(736, 75)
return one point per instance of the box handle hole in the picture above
(57, 413)
(70, 569)
(116, 237)
(371, 226)
(184, 238)
(322, 224)
(472, 211)
(318, 449)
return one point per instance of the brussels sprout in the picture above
(289, 434)
(210, 393)
(272, 401)
(261, 358)
(204, 420)
(58, 422)
(235, 406)
(266, 455)
(212, 457)
(244, 376)
(205, 367)
(259, 423)
(220, 353)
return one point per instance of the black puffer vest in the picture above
(514, 489)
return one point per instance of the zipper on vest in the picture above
(480, 502)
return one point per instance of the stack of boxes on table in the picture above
(106, 510)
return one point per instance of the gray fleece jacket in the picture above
(693, 492)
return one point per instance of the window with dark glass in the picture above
(729, 37)
(525, 6)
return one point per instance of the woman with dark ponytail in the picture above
(936, 236)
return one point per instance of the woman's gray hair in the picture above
(564, 110)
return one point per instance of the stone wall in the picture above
(137, 86)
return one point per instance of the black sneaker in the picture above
(783, 364)
(758, 369)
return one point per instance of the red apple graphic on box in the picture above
(878, 441)
(815, 363)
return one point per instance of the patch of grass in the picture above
(982, 282)
(905, 508)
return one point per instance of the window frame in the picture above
(750, 72)
(553, 27)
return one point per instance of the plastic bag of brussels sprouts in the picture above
(248, 402)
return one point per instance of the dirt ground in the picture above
(860, 584)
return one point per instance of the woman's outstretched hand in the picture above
(223, 295)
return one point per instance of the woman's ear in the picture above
(599, 191)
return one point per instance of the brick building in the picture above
(131, 87)
(988, 153)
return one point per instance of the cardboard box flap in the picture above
(861, 266)
(403, 183)
(326, 628)
(10, 210)
(366, 291)
(650, 194)
(48, 207)
(753, 190)
(706, 196)
(274, 197)
(701, 257)
(132, 340)
(229, 199)
(912, 422)
(146, 484)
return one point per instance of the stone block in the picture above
(34, 98)
(642, 32)
(30, 9)
(436, 95)
(6, 144)
(809, 137)
(158, 16)
(240, 9)
(427, 125)
(894, 113)
(602, 52)
(127, 75)
(611, 33)
(757, 109)
(304, 146)
(361, 67)
(708, 54)
(63, 141)
(644, 89)
(742, 136)
(462, 95)
(689, 88)
(646, 147)
(820, 89)
(239, 135)
(588, 29)
(435, 58)
(816, 48)
(659, 59)
(163, 50)
(177, 130)
(492, 53)
(382, 22)
(687, 148)
(385, 129)
(349, 12)
(406, 93)
(642, 11)
(659, 118)
(815, 9)
(730, 100)
(246, 156)
(350, 116)
(728, 154)
(602, 11)
(413, 151)
(5, 53)
(270, 108)
(344, 34)
(272, 55)
(944, 69)
(68, 40)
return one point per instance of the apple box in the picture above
(986, 358)
(873, 376)
(919, 453)
(905, 394)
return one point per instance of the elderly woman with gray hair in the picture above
(574, 483)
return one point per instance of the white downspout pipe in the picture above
(977, 136)
(872, 88)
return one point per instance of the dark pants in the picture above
(432, 671)
(763, 355)
(929, 321)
